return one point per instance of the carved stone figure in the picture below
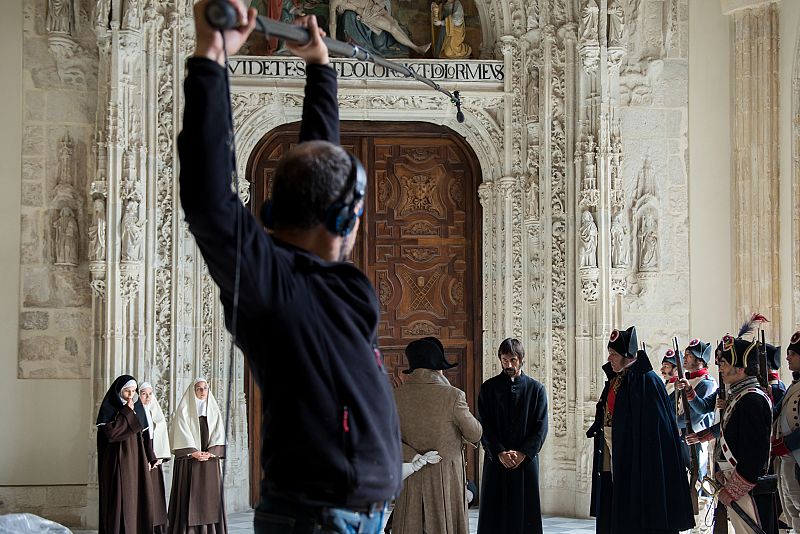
(589, 15)
(64, 171)
(648, 244)
(372, 18)
(616, 23)
(66, 238)
(588, 240)
(619, 241)
(131, 233)
(132, 15)
(533, 195)
(645, 180)
(533, 92)
(101, 13)
(60, 17)
(97, 232)
(449, 16)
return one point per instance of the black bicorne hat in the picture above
(700, 350)
(773, 357)
(738, 351)
(426, 353)
(624, 342)
(794, 344)
(669, 357)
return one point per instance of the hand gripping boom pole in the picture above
(221, 15)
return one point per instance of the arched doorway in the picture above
(419, 244)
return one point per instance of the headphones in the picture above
(341, 216)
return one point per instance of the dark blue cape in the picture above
(650, 492)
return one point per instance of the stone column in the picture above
(754, 27)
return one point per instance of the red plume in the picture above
(757, 317)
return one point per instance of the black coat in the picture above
(650, 490)
(514, 417)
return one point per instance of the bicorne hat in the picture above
(426, 353)
(624, 342)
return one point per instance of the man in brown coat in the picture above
(434, 416)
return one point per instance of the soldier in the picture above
(775, 383)
(786, 441)
(669, 371)
(695, 362)
(742, 452)
(639, 477)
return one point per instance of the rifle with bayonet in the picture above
(763, 369)
(721, 511)
(687, 414)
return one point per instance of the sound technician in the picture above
(307, 321)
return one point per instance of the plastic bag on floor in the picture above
(29, 524)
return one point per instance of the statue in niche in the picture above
(588, 240)
(619, 241)
(64, 171)
(131, 232)
(533, 92)
(102, 10)
(616, 23)
(449, 17)
(589, 16)
(645, 180)
(370, 24)
(66, 238)
(533, 195)
(648, 244)
(131, 16)
(97, 232)
(60, 17)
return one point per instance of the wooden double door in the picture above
(419, 244)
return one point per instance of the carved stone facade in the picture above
(587, 124)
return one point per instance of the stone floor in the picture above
(242, 523)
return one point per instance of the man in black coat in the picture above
(512, 407)
(742, 451)
(639, 483)
(306, 320)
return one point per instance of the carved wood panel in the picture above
(419, 244)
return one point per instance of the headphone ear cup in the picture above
(267, 217)
(338, 221)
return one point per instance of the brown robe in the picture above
(434, 416)
(122, 473)
(196, 503)
(159, 501)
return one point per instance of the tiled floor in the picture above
(242, 523)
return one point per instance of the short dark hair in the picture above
(512, 346)
(308, 179)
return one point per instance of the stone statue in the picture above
(131, 16)
(588, 240)
(66, 238)
(101, 13)
(449, 16)
(64, 171)
(533, 195)
(645, 180)
(648, 244)
(372, 18)
(619, 241)
(97, 232)
(589, 15)
(533, 92)
(131, 232)
(60, 17)
(616, 23)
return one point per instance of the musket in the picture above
(715, 489)
(221, 15)
(721, 511)
(763, 369)
(687, 414)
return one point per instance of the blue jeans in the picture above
(275, 516)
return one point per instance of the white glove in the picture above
(432, 457)
(418, 462)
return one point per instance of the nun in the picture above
(123, 467)
(198, 443)
(158, 434)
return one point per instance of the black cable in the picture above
(238, 269)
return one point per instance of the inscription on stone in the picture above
(458, 71)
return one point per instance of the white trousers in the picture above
(789, 491)
(748, 505)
